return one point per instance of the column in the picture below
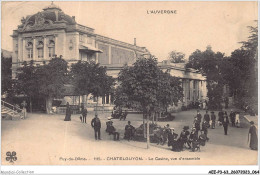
(191, 90)
(96, 45)
(24, 51)
(76, 57)
(109, 99)
(45, 46)
(186, 93)
(34, 49)
(64, 46)
(56, 45)
(109, 54)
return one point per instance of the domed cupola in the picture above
(50, 18)
(52, 7)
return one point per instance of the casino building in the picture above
(51, 32)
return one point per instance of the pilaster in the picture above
(34, 49)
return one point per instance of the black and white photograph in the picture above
(129, 83)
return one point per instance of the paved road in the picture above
(46, 139)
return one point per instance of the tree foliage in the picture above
(89, 77)
(239, 71)
(6, 74)
(252, 43)
(210, 65)
(45, 81)
(176, 57)
(145, 87)
(52, 77)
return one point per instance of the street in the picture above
(48, 140)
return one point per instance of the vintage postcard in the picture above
(129, 83)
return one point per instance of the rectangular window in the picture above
(40, 52)
(51, 51)
(30, 53)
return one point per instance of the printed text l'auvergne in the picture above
(161, 12)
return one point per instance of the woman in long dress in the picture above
(252, 136)
(68, 112)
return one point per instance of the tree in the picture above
(26, 82)
(91, 78)
(252, 43)
(145, 87)
(6, 74)
(176, 57)
(242, 78)
(210, 65)
(82, 73)
(169, 91)
(51, 79)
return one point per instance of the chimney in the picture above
(135, 41)
(73, 17)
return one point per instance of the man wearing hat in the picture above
(184, 137)
(172, 136)
(232, 117)
(129, 131)
(225, 123)
(96, 124)
(206, 117)
(84, 113)
(199, 116)
(197, 123)
(167, 128)
(205, 128)
(113, 131)
(193, 138)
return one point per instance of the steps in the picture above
(10, 114)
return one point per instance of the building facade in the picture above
(51, 32)
(194, 85)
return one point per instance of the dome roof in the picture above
(50, 14)
(52, 6)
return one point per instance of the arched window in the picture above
(51, 48)
(40, 49)
(29, 50)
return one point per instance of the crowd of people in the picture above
(188, 140)
(198, 136)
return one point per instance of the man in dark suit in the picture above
(96, 124)
(129, 131)
(113, 131)
(199, 116)
(232, 117)
(225, 123)
(206, 117)
(84, 114)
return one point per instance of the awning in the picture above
(88, 47)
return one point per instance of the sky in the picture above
(194, 26)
